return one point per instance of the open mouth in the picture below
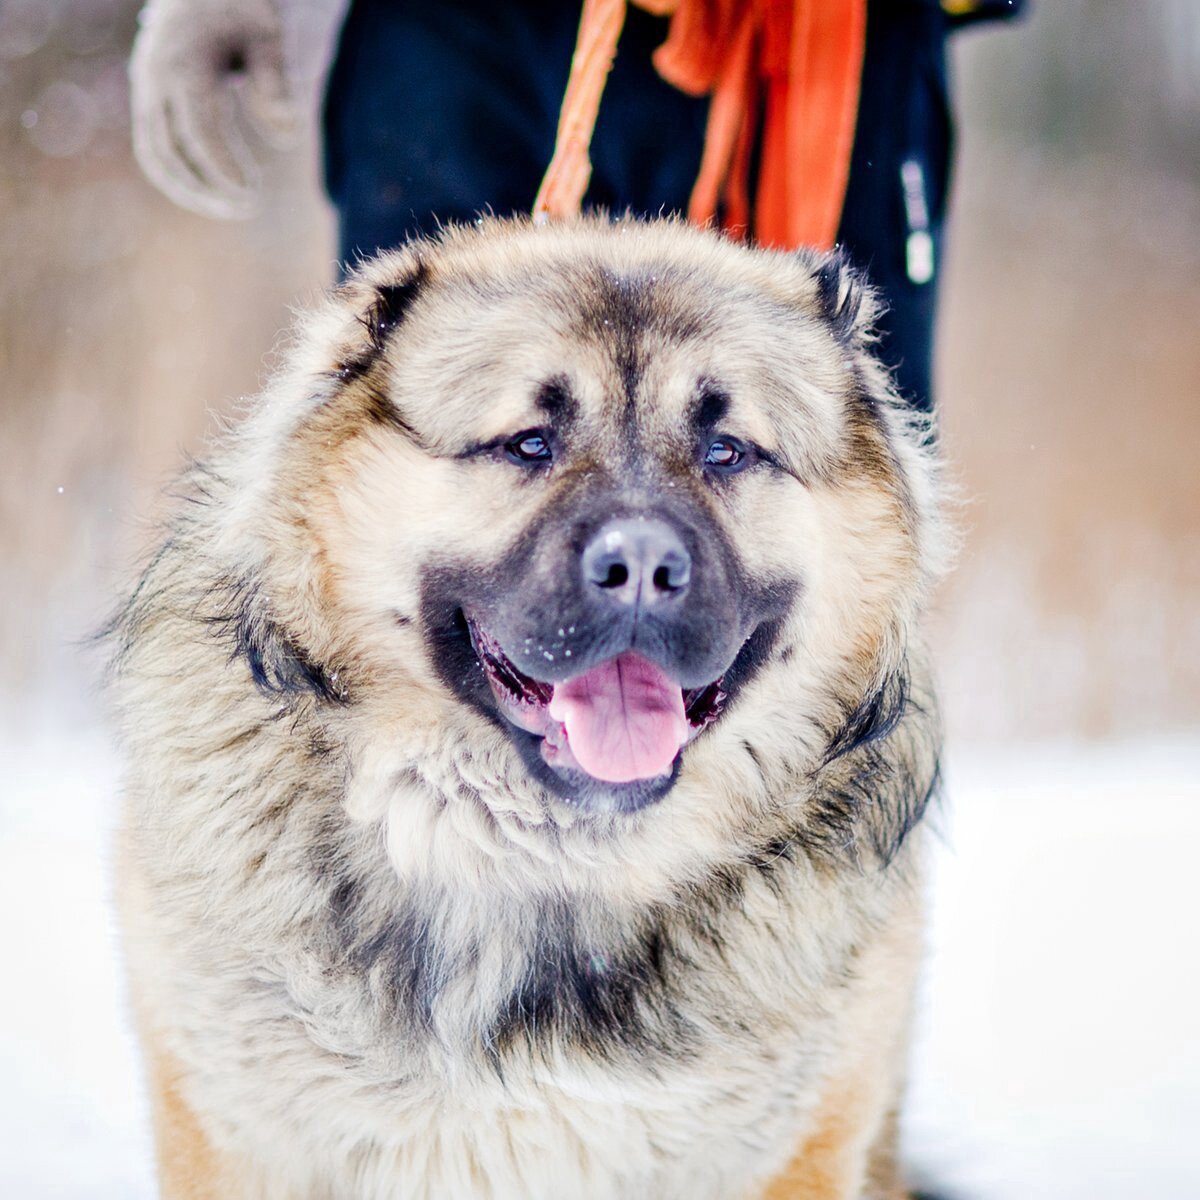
(621, 721)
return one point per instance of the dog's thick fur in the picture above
(373, 954)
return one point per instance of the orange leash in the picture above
(570, 170)
(782, 73)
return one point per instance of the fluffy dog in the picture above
(528, 733)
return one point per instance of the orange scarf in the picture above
(797, 62)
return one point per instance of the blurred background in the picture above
(1059, 1055)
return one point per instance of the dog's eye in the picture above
(530, 447)
(725, 453)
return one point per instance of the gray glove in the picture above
(201, 73)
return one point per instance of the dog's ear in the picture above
(380, 298)
(840, 295)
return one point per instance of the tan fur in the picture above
(851, 1148)
(346, 899)
(188, 1168)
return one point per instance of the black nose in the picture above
(637, 559)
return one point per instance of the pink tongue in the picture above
(624, 719)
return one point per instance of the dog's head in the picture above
(593, 517)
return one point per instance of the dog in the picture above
(528, 731)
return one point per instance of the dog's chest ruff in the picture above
(493, 1055)
(545, 1117)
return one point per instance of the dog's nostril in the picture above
(617, 576)
(673, 573)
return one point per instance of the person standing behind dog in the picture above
(435, 112)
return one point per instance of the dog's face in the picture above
(624, 504)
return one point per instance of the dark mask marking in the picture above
(607, 999)
(554, 398)
(873, 718)
(277, 664)
(712, 403)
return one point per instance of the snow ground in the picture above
(1057, 1057)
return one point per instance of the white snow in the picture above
(1057, 1056)
(73, 1122)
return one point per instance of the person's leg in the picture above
(436, 112)
(649, 135)
(900, 166)
(440, 111)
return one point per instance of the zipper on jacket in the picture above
(918, 246)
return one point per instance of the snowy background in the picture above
(1058, 1054)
